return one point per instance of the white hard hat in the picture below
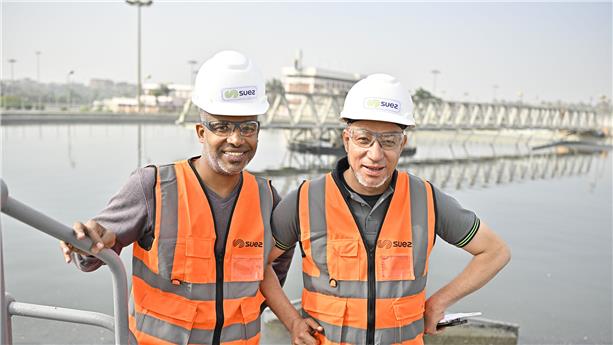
(379, 97)
(230, 83)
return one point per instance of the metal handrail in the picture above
(52, 227)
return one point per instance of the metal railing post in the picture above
(52, 227)
(5, 318)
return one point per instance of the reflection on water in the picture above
(459, 173)
(552, 206)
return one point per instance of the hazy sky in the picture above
(548, 51)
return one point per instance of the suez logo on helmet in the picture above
(240, 243)
(383, 104)
(387, 244)
(239, 93)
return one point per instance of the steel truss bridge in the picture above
(454, 173)
(295, 110)
(304, 110)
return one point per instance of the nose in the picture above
(375, 152)
(235, 138)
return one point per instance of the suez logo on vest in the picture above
(387, 244)
(240, 243)
(383, 104)
(239, 93)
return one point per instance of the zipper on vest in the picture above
(372, 277)
(219, 260)
(372, 280)
(219, 314)
(370, 330)
(219, 282)
(219, 270)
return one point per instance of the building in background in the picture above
(156, 98)
(315, 80)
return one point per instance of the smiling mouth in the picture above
(234, 154)
(235, 157)
(373, 169)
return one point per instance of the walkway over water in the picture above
(293, 110)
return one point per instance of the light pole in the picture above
(138, 4)
(12, 62)
(494, 89)
(192, 64)
(69, 98)
(38, 76)
(37, 65)
(434, 72)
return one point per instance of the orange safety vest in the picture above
(361, 295)
(182, 292)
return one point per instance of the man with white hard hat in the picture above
(200, 226)
(366, 231)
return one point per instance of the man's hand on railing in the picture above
(101, 238)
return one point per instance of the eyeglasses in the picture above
(365, 138)
(226, 128)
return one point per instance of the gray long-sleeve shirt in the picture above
(130, 215)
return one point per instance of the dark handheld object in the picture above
(455, 322)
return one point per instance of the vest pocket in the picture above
(166, 317)
(198, 260)
(345, 261)
(327, 309)
(250, 309)
(248, 268)
(408, 311)
(199, 247)
(396, 267)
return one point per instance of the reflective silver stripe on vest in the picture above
(318, 224)
(383, 336)
(419, 223)
(193, 291)
(359, 289)
(266, 205)
(168, 221)
(178, 335)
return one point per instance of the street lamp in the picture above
(69, 98)
(37, 65)
(434, 72)
(138, 4)
(38, 76)
(12, 62)
(192, 64)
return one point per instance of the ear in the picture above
(201, 132)
(345, 136)
(405, 139)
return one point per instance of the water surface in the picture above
(553, 210)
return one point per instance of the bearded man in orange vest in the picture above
(200, 226)
(366, 231)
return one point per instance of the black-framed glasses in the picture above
(226, 128)
(365, 138)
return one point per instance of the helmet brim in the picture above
(236, 108)
(405, 120)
